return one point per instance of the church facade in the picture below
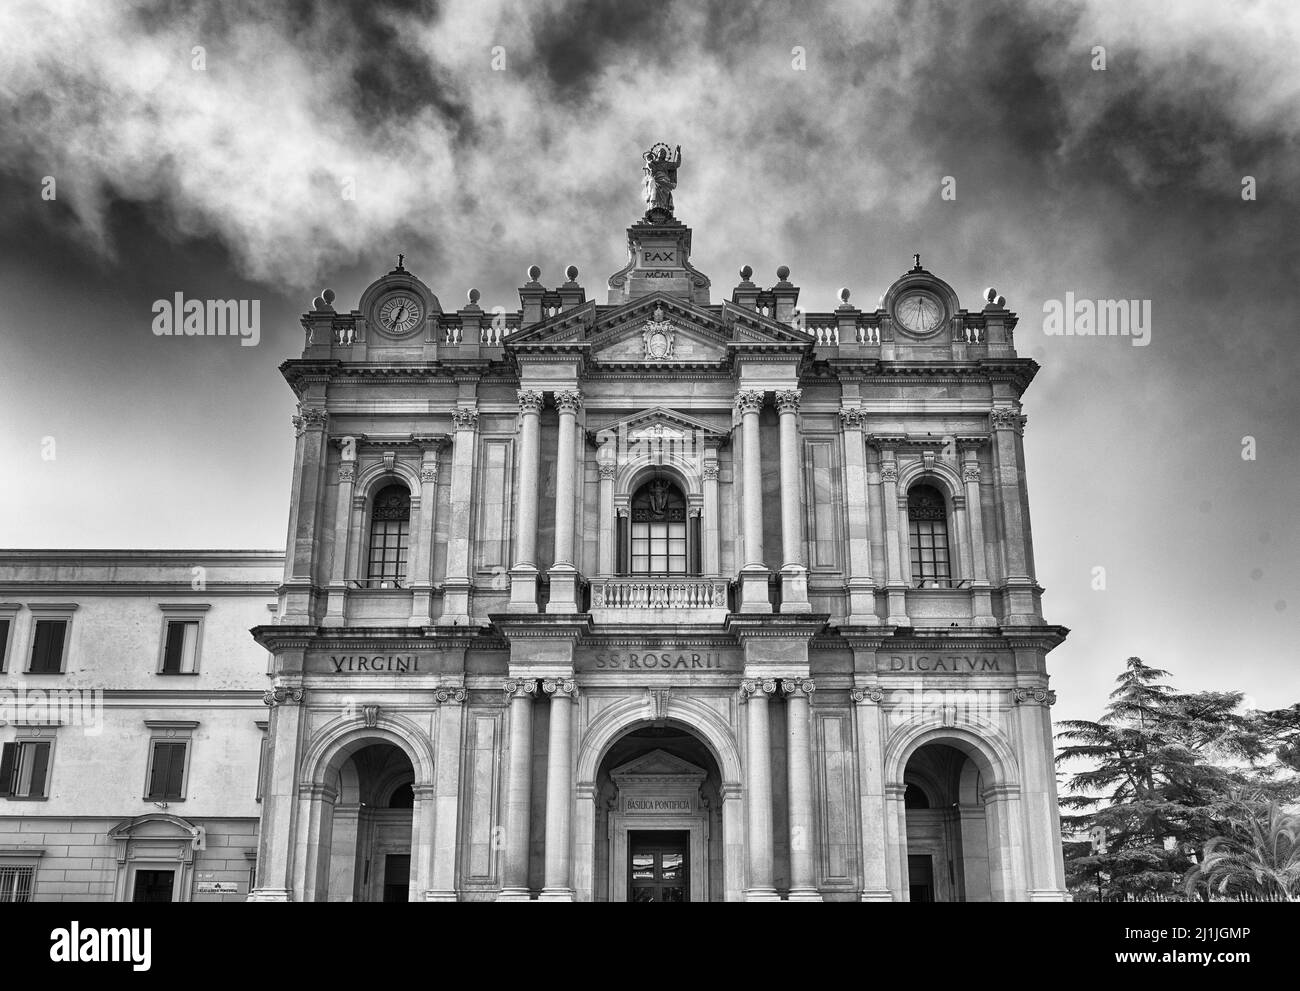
(658, 597)
(649, 597)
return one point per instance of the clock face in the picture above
(400, 313)
(919, 313)
(657, 345)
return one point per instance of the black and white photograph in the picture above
(602, 451)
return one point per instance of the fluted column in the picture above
(895, 586)
(457, 582)
(446, 793)
(753, 577)
(523, 576)
(421, 563)
(794, 574)
(519, 789)
(981, 598)
(862, 588)
(803, 879)
(758, 788)
(564, 576)
(300, 554)
(336, 611)
(710, 553)
(559, 791)
(1019, 605)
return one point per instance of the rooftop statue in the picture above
(659, 179)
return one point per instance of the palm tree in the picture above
(1258, 856)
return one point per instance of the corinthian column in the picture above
(519, 790)
(803, 881)
(559, 791)
(794, 576)
(753, 575)
(336, 612)
(564, 576)
(758, 789)
(523, 576)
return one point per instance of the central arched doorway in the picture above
(659, 819)
(369, 830)
(948, 856)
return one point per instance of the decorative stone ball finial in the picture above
(1000, 302)
(844, 297)
(783, 272)
(990, 294)
(571, 273)
(534, 273)
(318, 303)
(745, 273)
(473, 295)
(328, 296)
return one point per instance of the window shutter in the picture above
(175, 648)
(7, 768)
(4, 641)
(40, 767)
(47, 649)
(158, 774)
(176, 770)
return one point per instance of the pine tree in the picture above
(1162, 773)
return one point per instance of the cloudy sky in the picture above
(205, 148)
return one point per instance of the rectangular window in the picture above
(181, 649)
(16, 883)
(25, 769)
(47, 646)
(5, 625)
(166, 770)
(929, 546)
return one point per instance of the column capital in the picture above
(710, 473)
(530, 401)
(868, 695)
(348, 471)
(889, 471)
(428, 472)
(450, 695)
(282, 694)
(851, 417)
(1007, 418)
(797, 687)
(970, 472)
(607, 469)
(560, 688)
(465, 417)
(520, 688)
(749, 400)
(787, 400)
(1033, 695)
(569, 401)
(313, 417)
(752, 687)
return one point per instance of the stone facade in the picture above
(788, 554)
(657, 598)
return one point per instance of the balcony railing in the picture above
(650, 600)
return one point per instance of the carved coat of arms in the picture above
(658, 336)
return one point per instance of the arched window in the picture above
(390, 532)
(658, 543)
(927, 529)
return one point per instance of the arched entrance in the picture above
(366, 825)
(947, 834)
(659, 819)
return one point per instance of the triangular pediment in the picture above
(659, 330)
(657, 764)
(660, 424)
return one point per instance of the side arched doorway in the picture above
(366, 827)
(948, 857)
(659, 819)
